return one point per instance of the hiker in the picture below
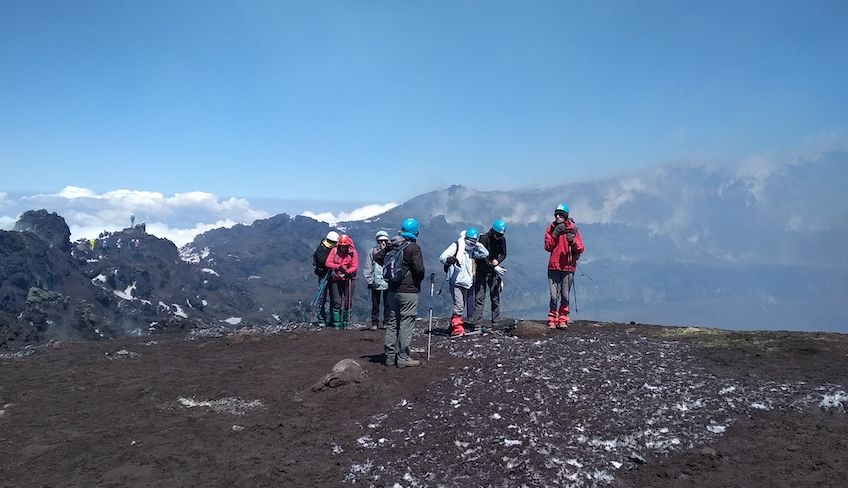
(489, 274)
(343, 263)
(377, 284)
(563, 241)
(403, 268)
(460, 258)
(319, 259)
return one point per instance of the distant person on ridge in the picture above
(377, 284)
(403, 268)
(563, 241)
(460, 256)
(343, 263)
(489, 274)
(319, 258)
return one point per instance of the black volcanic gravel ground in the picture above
(597, 405)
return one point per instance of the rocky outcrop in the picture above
(49, 227)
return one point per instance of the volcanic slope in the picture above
(599, 404)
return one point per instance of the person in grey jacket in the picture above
(377, 284)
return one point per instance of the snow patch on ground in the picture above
(126, 294)
(230, 405)
(210, 271)
(178, 311)
(101, 278)
(232, 320)
(122, 354)
(17, 354)
(837, 400)
(191, 255)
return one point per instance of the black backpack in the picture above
(393, 271)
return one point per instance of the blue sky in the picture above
(380, 101)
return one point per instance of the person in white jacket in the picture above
(459, 257)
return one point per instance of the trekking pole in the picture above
(443, 283)
(430, 329)
(322, 285)
(574, 286)
(582, 273)
(350, 281)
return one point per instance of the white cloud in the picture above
(4, 199)
(360, 213)
(623, 192)
(179, 217)
(6, 222)
(181, 237)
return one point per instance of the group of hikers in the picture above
(394, 271)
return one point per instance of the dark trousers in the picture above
(559, 283)
(322, 298)
(482, 282)
(376, 297)
(339, 296)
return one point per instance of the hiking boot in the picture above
(552, 319)
(321, 319)
(374, 326)
(563, 320)
(389, 362)
(409, 363)
(336, 318)
(456, 326)
(345, 319)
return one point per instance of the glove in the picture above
(559, 229)
(500, 271)
(451, 260)
(570, 237)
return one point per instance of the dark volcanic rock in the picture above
(50, 227)
(529, 330)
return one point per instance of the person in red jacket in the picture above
(343, 263)
(563, 241)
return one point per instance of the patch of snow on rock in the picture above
(125, 294)
(838, 401)
(179, 311)
(190, 255)
(232, 320)
(230, 405)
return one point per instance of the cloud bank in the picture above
(179, 217)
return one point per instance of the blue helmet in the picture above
(472, 233)
(409, 226)
(561, 208)
(499, 226)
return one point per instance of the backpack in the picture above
(455, 254)
(393, 271)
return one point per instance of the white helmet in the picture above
(382, 235)
(333, 236)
